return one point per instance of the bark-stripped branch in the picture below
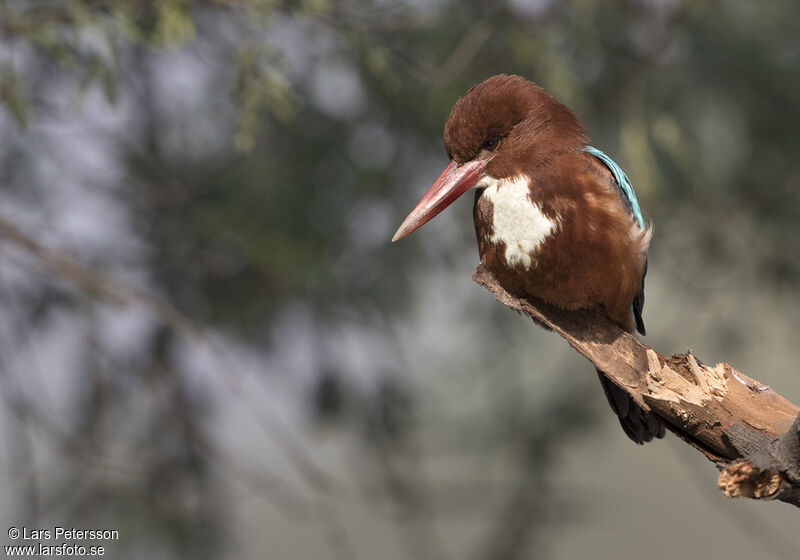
(748, 430)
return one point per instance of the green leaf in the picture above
(12, 95)
(175, 25)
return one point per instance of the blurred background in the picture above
(209, 344)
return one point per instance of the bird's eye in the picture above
(491, 143)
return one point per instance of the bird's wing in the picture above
(628, 197)
(624, 184)
(638, 303)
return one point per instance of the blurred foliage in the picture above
(270, 148)
(697, 99)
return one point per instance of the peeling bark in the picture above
(748, 430)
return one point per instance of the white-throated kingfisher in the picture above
(555, 218)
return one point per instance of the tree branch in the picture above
(748, 430)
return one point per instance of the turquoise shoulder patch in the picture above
(622, 181)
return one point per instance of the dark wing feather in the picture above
(631, 204)
(639, 425)
(638, 304)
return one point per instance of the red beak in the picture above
(454, 181)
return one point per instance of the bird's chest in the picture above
(512, 228)
(575, 250)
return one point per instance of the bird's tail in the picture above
(640, 426)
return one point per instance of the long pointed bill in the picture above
(454, 181)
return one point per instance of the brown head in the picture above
(502, 127)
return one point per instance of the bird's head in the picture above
(502, 127)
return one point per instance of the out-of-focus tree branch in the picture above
(64, 266)
(744, 427)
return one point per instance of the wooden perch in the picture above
(748, 430)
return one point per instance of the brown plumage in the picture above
(598, 256)
(534, 126)
(549, 217)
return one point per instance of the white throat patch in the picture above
(518, 221)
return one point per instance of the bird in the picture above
(554, 217)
